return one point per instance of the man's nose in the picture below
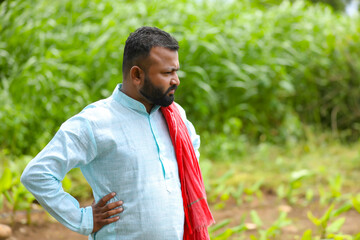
(175, 79)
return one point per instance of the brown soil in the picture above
(269, 209)
(44, 227)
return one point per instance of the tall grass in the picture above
(245, 70)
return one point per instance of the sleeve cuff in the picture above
(87, 221)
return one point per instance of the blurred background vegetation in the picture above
(256, 69)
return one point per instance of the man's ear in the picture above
(137, 75)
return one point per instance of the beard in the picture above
(156, 95)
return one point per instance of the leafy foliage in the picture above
(12, 193)
(335, 4)
(255, 71)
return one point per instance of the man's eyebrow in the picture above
(174, 68)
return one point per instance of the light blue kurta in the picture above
(120, 148)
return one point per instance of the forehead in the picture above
(161, 57)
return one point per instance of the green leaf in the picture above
(224, 235)
(297, 175)
(307, 235)
(326, 216)
(219, 225)
(356, 203)
(255, 218)
(282, 220)
(8, 197)
(313, 219)
(335, 185)
(336, 225)
(339, 237)
(219, 206)
(357, 237)
(252, 237)
(256, 186)
(5, 180)
(224, 196)
(240, 228)
(22, 205)
(344, 208)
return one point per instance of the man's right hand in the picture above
(102, 212)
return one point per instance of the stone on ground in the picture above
(5, 232)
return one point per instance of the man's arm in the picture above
(195, 139)
(72, 146)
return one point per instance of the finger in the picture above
(112, 205)
(107, 221)
(102, 202)
(112, 212)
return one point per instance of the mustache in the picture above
(173, 87)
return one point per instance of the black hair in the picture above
(139, 44)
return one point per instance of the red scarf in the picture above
(197, 213)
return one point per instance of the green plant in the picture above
(238, 193)
(254, 189)
(266, 70)
(356, 202)
(274, 230)
(323, 223)
(307, 235)
(219, 187)
(228, 232)
(256, 219)
(290, 191)
(20, 199)
(6, 183)
(332, 193)
(335, 184)
(17, 197)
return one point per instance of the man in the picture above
(133, 150)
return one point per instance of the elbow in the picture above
(25, 179)
(28, 177)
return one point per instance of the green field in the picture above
(272, 88)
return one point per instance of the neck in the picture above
(147, 105)
(137, 96)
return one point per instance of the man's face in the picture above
(161, 80)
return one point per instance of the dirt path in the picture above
(268, 209)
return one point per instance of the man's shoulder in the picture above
(98, 110)
(181, 110)
(94, 113)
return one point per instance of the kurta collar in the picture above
(129, 102)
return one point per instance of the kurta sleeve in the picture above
(195, 138)
(73, 145)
